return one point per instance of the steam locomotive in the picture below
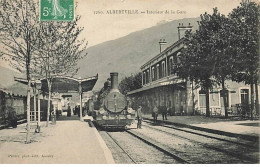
(113, 111)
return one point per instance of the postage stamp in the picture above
(56, 10)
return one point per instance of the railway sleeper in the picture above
(159, 146)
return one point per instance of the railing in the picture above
(237, 110)
(217, 111)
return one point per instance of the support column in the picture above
(80, 101)
(179, 35)
(54, 114)
(28, 140)
(39, 109)
(34, 103)
(151, 79)
(166, 65)
(142, 78)
(189, 102)
(39, 113)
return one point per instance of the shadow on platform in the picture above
(66, 118)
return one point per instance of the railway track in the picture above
(160, 153)
(130, 157)
(186, 145)
(191, 151)
(231, 140)
(159, 147)
(210, 146)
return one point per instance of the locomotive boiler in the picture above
(113, 109)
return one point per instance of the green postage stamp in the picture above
(56, 10)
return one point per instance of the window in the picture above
(202, 99)
(157, 71)
(178, 57)
(153, 74)
(163, 69)
(144, 78)
(175, 60)
(147, 76)
(170, 65)
(244, 96)
(222, 98)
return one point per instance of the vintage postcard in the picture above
(129, 81)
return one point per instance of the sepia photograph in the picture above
(127, 82)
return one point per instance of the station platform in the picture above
(66, 142)
(247, 129)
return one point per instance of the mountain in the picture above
(126, 54)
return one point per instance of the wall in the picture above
(172, 96)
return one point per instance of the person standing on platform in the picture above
(139, 117)
(77, 110)
(155, 113)
(12, 117)
(164, 112)
(69, 111)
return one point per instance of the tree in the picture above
(246, 42)
(59, 51)
(130, 83)
(224, 48)
(199, 59)
(40, 49)
(18, 20)
(222, 51)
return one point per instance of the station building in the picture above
(160, 86)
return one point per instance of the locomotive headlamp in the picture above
(104, 117)
(128, 116)
(102, 112)
(129, 110)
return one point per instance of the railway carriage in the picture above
(11, 104)
(16, 104)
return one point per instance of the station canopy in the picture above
(64, 84)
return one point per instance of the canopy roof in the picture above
(165, 82)
(64, 84)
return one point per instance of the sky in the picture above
(104, 27)
(100, 27)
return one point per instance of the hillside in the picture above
(125, 55)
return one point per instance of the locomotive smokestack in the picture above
(114, 80)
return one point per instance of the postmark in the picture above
(56, 10)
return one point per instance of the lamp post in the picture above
(80, 99)
(34, 100)
(38, 86)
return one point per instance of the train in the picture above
(111, 109)
(14, 106)
(11, 106)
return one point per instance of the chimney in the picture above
(114, 80)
